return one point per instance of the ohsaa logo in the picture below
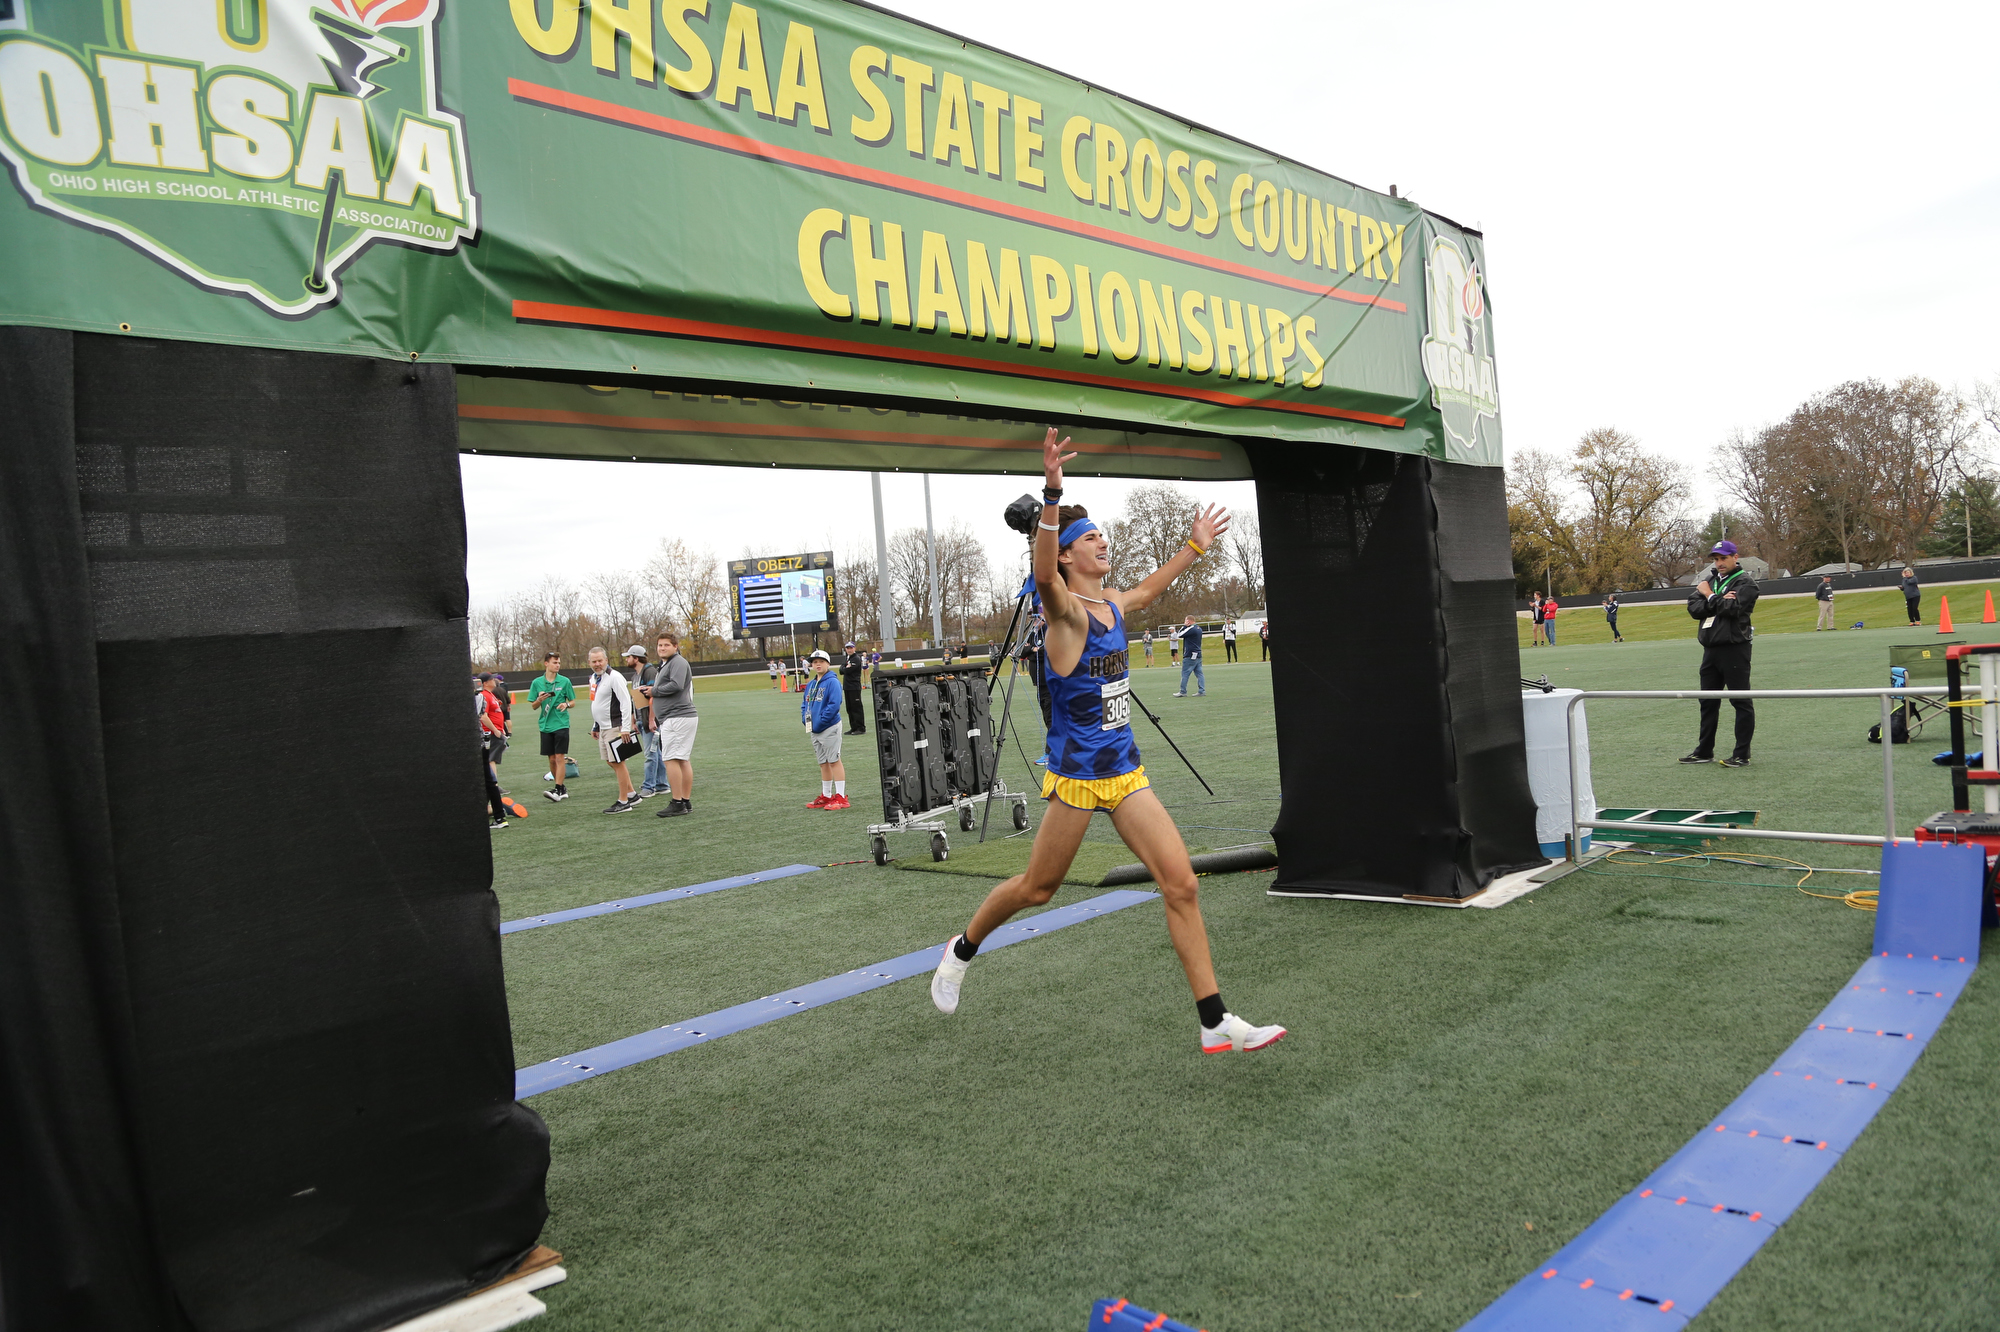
(256, 146)
(1458, 353)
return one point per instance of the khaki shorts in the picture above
(606, 739)
(826, 744)
(677, 738)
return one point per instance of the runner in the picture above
(1093, 760)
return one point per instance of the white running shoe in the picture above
(948, 977)
(1235, 1035)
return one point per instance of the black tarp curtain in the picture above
(1395, 669)
(255, 1065)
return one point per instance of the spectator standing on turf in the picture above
(612, 722)
(506, 697)
(1190, 641)
(1912, 594)
(773, 668)
(552, 696)
(1229, 640)
(1824, 595)
(1264, 639)
(675, 719)
(1721, 603)
(490, 730)
(653, 781)
(1611, 616)
(852, 664)
(1535, 614)
(819, 709)
(1173, 649)
(1148, 640)
(496, 733)
(1549, 620)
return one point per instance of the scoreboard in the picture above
(779, 594)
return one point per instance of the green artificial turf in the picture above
(1462, 1091)
(1004, 859)
(1881, 608)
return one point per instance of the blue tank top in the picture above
(1090, 715)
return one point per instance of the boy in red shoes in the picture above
(819, 709)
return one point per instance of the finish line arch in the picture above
(262, 322)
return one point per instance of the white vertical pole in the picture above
(930, 555)
(885, 619)
(1988, 680)
(1888, 779)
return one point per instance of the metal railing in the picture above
(1986, 700)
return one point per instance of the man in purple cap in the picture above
(1721, 604)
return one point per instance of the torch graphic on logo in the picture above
(353, 35)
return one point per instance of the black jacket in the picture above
(1724, 621)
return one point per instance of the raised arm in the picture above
(1210, 525)
(1057, 604)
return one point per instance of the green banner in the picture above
(809, 197)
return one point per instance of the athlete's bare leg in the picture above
(1055, 847)
(1149, 830)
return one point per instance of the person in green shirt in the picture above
(552, 696)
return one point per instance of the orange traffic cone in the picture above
(1944, 615)
(1989, 607)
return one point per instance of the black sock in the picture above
(964, 950)
(1211, 1011)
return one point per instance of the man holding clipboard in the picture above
(1721, 604)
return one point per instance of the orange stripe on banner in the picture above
(665, 426)
(557, 99)
(578, 316)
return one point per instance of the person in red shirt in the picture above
(1549, 620)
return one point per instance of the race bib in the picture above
(1117, 705)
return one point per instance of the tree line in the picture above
(682, 590)
(1862, 474)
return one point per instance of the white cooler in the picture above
(1545, 716)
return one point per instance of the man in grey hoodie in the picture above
(675, 719)
(1912, 594)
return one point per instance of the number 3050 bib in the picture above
(1117, 705)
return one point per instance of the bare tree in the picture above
(1611, 516)
(963, 574)
(690, 596)
(1243, 553)
(1927, 433)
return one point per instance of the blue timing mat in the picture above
(1671, 1245)
(670, 895)
(680, 1035)
(1125, 1316)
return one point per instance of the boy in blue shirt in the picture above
(819, 709)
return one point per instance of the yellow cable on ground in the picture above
(1861, 899)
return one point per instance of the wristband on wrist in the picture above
(1050, 494)
(1048, 527)
(1196, 549)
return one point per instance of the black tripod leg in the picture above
(1000, 742)
(1153, 718)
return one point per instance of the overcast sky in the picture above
(1695, 216)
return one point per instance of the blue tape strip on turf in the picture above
(670, 895)
(602, 1059)
(1671, 1245)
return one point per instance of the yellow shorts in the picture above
(1105, 793)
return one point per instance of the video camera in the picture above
(1023, 514)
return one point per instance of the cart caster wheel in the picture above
(879, 847)
(965, 819)
(1020, 818)
(940, 848)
